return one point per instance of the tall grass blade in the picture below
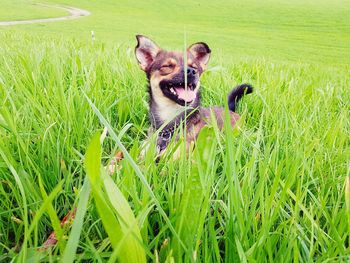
(73, 240)
(135, 167)
(194, 203)
(119, 223)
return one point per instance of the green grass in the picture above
(24, 10)
(307, 31)
(273, 189)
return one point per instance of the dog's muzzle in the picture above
(177, 90)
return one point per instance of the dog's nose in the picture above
(191, 72)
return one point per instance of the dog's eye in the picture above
(167, 69)
(167, 66)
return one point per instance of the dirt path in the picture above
(74, 13)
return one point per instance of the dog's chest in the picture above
(203, 117)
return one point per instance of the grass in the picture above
(274, 189)
(25, 10)
(306, 31)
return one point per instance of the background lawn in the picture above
(307, 31)
(22, 10)
(275, 189)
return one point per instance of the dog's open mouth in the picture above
(179, 93)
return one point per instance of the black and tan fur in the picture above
(171, 103)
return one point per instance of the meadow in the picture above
(274, 189)
(23, 10)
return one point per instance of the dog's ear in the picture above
(201, 52)
(145, 51)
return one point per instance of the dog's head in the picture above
(167, 71)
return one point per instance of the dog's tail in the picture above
(237, 93)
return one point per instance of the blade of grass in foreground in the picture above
(233, 249)
(116, 226)
(135, 167)
(34, 256)
(53, 217)
(72, 244)
(194, 203)
(24, 199)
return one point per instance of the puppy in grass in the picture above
(174, 91)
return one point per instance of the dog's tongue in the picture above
(185, 94)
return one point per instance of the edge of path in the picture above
(74, 13)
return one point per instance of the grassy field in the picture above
(275, 189)
(310, 31)
(23, 10)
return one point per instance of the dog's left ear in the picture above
(201, 52)
(145, 51)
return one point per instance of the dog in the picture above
(174, 97)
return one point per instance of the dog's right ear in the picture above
(145, 51)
